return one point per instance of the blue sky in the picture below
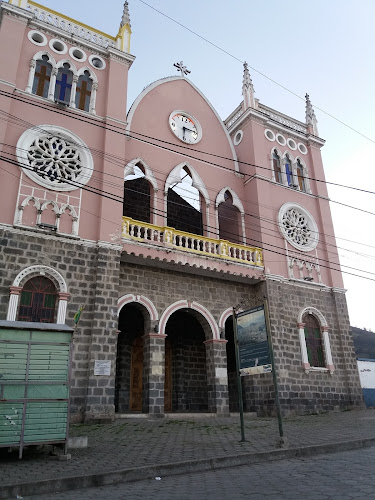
(319, 47)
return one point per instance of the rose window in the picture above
(55, 159)
(298, 226)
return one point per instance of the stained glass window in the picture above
(301, 179)
(63, 85)
(277, 167)
(84, 88)
(42, 77)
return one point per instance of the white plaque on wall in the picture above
(102, 367)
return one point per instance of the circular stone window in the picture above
(281, 139)
(97, 62)
(58, 46)
(77, 54)
(269, 134)
(302, 148)
(37, 37)
(238, 137)
(291, 144)
(55, 158)
(298, 226)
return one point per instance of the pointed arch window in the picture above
(288, 170)
(38, 301)
(277, 167)
(314, 343)
(64, 82)
(84, 91)
(137, 195)
(42, 77)
(229, 220)
(301, 177)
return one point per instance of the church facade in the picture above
(158, 221)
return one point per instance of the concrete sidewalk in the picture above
(139, 448)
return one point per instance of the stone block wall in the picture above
(91, 275)
(301, 392)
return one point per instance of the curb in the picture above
(171, 469)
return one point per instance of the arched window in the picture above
(229, 220)
(42, 77)
(313, 339)
(63, 85)
(277, 167)
(301, 178)
(83, 92)
(184, 205)
(38, 301)
(137, 195)
(288, 170)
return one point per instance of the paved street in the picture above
(340, 475)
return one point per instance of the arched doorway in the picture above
(185, 388)
(133, 319)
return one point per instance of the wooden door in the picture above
(136, 375)
(168, 376)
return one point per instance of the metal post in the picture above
(239, 383)
(274, 375)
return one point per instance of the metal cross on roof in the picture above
(180, 67)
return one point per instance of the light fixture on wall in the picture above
(156, 328)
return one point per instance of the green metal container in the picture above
(35, 365)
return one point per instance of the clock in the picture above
(185, 127)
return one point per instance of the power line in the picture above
(256, 70)
(78, 185)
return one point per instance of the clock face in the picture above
(185, 127)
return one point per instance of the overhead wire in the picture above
(105, 195)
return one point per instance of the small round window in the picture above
(281, 139)
(58, 46)
(77, 54)
(97, 62)
(238, 137)
(292, 144)
(37, 37)
(269, 134)
(302, 148)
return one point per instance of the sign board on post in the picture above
(252, 342)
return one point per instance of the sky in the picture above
(321, 47)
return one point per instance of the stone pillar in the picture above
(217, 376)
(153, 373)
(100, 400)
(61, 312)
(13, 302)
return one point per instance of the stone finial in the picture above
(311, 121)
(247, 88)
(125, 15)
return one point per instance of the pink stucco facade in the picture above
(159, 218)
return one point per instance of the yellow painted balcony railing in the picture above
(172, 238)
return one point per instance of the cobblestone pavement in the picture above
(135, 442)
(343, 475)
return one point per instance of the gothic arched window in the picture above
(277, 167)
(288, 170)
(229, 220)
(63, 85)
(314, 344)
(42, 77)
(301, 178)
(38, 301)
(83, 93)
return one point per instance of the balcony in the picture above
(172, 239)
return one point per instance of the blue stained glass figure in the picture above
(289, 173)
(63, 84)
